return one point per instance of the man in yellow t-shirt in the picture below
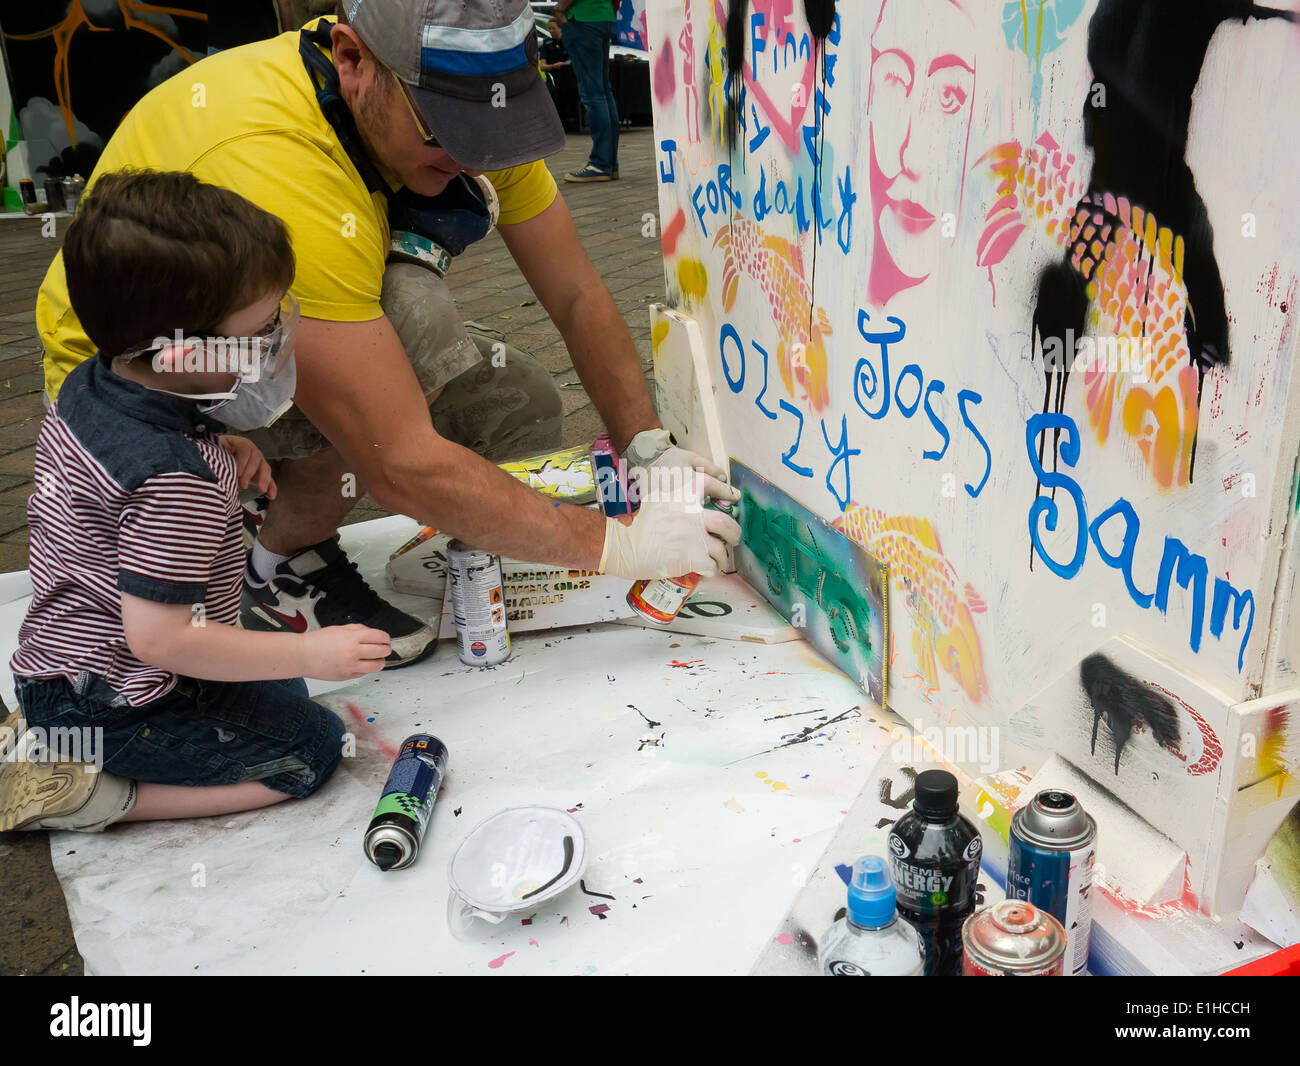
(417, 96)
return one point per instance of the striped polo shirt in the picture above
(134, 493)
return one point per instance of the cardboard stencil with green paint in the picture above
(831, 589)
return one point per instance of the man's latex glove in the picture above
(670, 538)
(654, 448)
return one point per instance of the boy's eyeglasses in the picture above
(263, 354)
(426, 134)
(274, 341)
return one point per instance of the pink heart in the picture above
(789, 130)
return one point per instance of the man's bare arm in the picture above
(357, 387)
(550, 255)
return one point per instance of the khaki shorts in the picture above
(499, 412)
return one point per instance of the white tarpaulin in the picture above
(708, 776)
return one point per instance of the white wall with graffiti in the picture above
(1007, 292)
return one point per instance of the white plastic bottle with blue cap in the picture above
(871, 940)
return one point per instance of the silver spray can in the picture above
(1053, 849)
(478, 605)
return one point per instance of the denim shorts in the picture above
(199, 733)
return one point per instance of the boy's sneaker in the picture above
(55, 795)
(590, 173)
(319, 587)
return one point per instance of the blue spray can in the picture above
(1053, 848)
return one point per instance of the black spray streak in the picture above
(905, 800)
(583, 885)
(648, 721)
(1124, 700)
(1147, 56)
(737, 18)
(805, 735)
(821, 17)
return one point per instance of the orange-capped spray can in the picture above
(660, 599)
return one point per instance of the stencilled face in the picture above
(922, 78)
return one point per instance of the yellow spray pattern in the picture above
(1132, 268)
(776, 264)
(941, 605)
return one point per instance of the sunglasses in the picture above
(426, 134)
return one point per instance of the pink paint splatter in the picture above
(533, 943)
(599, 910)
(665, 75)
(499, 961)
(370, 731)
(785, 938)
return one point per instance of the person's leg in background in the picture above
(500, 412)
(588, 46)
(615, 121)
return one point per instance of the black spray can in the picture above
(934, 856)
(54, 194)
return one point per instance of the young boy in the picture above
(136, 545)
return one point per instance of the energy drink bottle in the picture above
(406, 805)
(935, 859)
(870, 941)
(1053, 849)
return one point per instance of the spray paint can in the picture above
(1012, 939)
(1053, 849)
(660, 599)
(406, 804)
(935, 861)
(27, 190)
(54, 193)
(478, 605)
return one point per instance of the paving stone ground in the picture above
(35, 937)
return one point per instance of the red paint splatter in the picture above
(1186, 903)
(525, 921)
(673, 231)
(359, 716)
(499, 961)
(1211, 749)
(690, 663)
(599, 910)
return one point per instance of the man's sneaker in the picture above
(55, 795)
(590, 173)
(254, 513)
(319, 587)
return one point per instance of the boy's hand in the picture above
(250, 464)
(341, 653)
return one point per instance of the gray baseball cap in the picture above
(471, 66)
